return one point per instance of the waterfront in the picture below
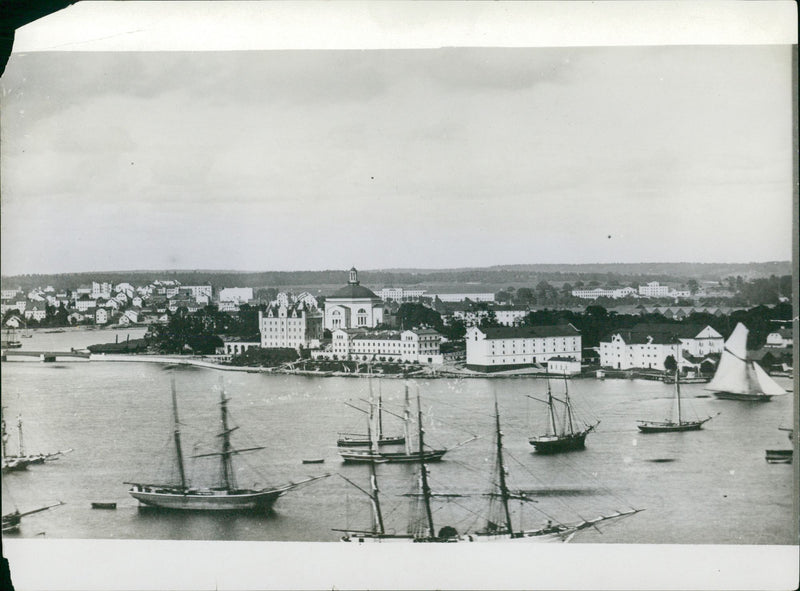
(711, 486)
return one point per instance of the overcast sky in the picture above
(285, 160)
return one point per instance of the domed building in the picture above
(353, 306)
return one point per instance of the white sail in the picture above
(732, 373)
(765, 383)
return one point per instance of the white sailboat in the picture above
(738, 378)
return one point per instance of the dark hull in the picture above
(355, 456)
(779, 456)
(647, 427)
(757, 397)
(562, 443)
(363, 441)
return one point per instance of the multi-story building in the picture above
(781, 338)
(614, 294)
(237, 295)
(654, 290)
(353, 306)
(510, 315)
(199, 293)
(503, 348)
(401, 294)
(419, 345)
(308, 299)
(460, 297)
(290, 327)
(101, 290)
(647, 346)
(36, 312)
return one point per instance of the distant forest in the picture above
(607, 274)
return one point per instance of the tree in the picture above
(670, 364)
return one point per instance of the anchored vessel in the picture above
(570, 434)
(228, 496)
(373, 454)
(676, 423)
(498, 525)
(364, 440)
(22, 460)
(738, 378)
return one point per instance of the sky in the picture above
(382, 158)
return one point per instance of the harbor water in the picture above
(705, 487)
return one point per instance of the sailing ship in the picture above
(364, 440)
(498, 526)
(675, 423)
(12, 520)
(374, 454)
(570, 435)
(22, 460)
(227, 496)
(738, 378)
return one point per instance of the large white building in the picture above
(353, 306)
(648, 346)
(593, 294)
(237, 295)
(503, 348)
(654, 290)
(401, 294)
(290, 327)
(416, 345)
(460, 297)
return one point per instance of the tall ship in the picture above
(407, 455)
(677, 422)
(21, 460)
(226, 495)
(497, 527)
(740, 378)
(565, 431)
(365, 440)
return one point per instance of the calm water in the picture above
(711, 486)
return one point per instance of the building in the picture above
(413, 346)
(233, 346)
(460, 297)
(614, 294)
(290, 327)
(647, 346)
(101, 316)
(400, 294)
(654, 290)
(307, 299)
(510, 315)
(101, 290)
(237, 295)
(36, 312)
(564, 366)
(780, 338)
(353, 306)
(504, 348)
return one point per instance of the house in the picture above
(75, 317)
(510, 315)
(307, 299)
(101, 316)
(84, 303)
(565, 366)
(780, 338)
(290, 327)
(36, 312)
(504, 348)
(646, 346)
(236, 346)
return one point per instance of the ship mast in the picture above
(377, 515)
(3, 434)
(568, 405)
(678, 393)
(177, 436)
(407, 421)
(426, 490)
(502, 470)
(226, 465)
(550, 406)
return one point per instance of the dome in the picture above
(354, 292)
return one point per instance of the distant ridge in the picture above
(477, 278)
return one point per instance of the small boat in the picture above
(225, 496)
(677, 422)
(315, 461)
(10, 341)
(779, 456)
(103, 505)
(738, 378)
(572, 433)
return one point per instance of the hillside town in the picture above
(649, 327)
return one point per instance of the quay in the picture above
(46, 356)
